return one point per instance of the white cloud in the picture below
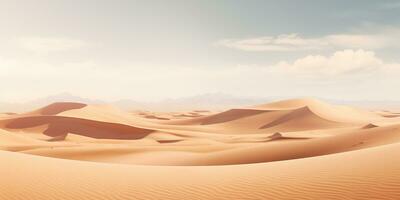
(268, 43)
(339, 63)
(359, 40)
(44, 45)
(318, 75)
(390, 5)
(294, 42)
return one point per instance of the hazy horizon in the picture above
(199, 99)
(155, 50)
(207, 101)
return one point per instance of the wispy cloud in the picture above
(391, 5)
(44, 45)
(295, 42)
(309, 74)
(339, 63)
(284, 42)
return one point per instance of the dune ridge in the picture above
(288, 129)
(59, 107)
(291, 149)
(60, 126)
(372, 174)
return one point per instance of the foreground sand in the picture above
(294, 149)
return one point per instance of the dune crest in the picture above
(59, 107)
(370, 125)
(60, 126)
(302, 138)
(279, 128)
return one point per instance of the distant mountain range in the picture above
(206, 101)
(27, 106)
(211, 101)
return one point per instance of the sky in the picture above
(151, 50)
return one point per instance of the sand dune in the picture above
(61, 126)
(291, 149)
(324, 110)
(365, 174)
(56, 108)
(289, 115)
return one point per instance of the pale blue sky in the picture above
(150, 50)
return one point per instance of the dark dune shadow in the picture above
(60, 126)
(231, 115)
(57, 138)
(370, 125)
(9, 113)
(298, 113)
(168, 141)
(278, 136)
(289, 138)
(187, 115)
(155, 117)
(56, 108)
(392, 115)
(201, 111)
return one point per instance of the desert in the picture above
(289, 149)
(199, 100)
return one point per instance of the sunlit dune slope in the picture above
(364, 174)
(291, 149)
(284, 130)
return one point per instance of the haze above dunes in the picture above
(288, 149)
(206, 101)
